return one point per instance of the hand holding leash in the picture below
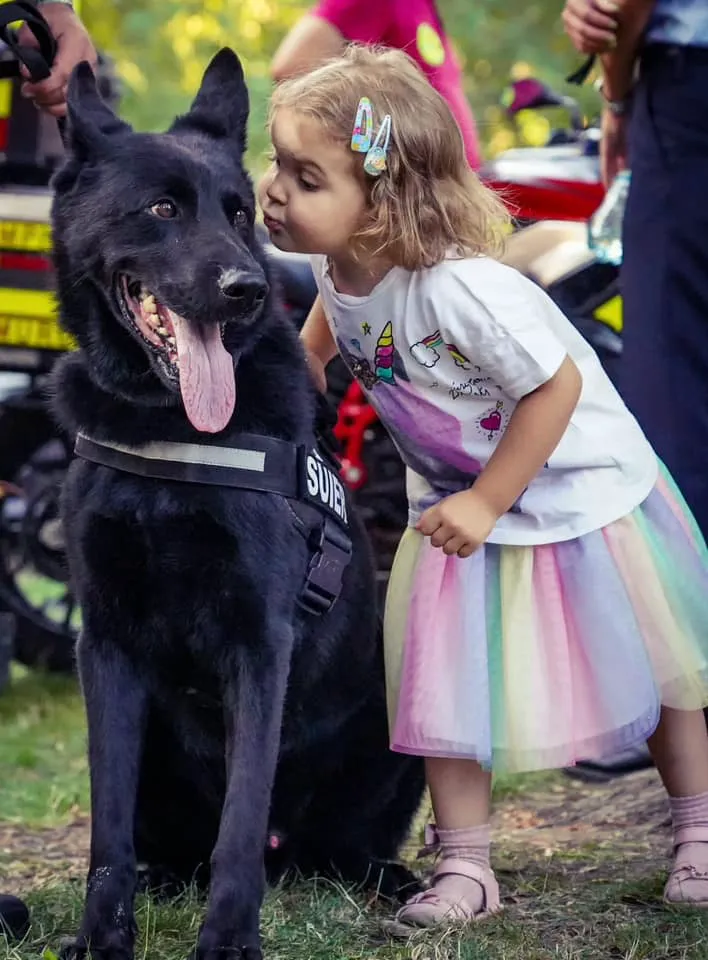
(34, 47)
(48, 47)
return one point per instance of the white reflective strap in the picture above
(234, 457)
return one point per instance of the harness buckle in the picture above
(324, 579)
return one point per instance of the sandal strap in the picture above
(431, 840)
(690, 835)
(473, 871)
(687, 870)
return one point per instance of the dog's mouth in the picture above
(188, 356)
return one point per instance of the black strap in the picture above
(281, 476)
(583, 72)
(38, 62)
(332, 551)
(287, 469)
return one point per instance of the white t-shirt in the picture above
(445, 354)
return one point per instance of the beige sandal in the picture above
(432, 909)
(687, 885)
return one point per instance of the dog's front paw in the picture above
(112, 948)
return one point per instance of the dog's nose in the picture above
(245, 290)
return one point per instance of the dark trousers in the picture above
(664, 368)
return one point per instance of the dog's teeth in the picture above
(172, 341)
(149, 304)
(162, 331)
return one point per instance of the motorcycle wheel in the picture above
(34, 584)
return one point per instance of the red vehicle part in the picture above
(354, 417)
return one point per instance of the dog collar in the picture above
(266, 464)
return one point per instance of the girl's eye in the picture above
(240, 219)
(164, 209)
(308, 185)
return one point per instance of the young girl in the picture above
(549, 599)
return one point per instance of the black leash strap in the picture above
(38, 61)
(582, 73)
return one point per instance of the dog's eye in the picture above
(164, 209)
(240, 218)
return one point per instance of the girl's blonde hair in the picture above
(428, 200)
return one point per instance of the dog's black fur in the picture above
(192, 639)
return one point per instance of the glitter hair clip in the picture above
(375, 159)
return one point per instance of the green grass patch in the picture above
(43, 767)
(591, 900)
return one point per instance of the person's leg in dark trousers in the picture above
(664, 369)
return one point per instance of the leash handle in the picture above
(38, 61)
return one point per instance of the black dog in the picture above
(224, 719)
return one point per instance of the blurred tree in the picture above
(162, 46)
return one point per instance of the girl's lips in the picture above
(271, 225)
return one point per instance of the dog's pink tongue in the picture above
(206, 375)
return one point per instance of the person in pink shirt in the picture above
(410, 25)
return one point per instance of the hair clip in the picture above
(363, 126)
(375, 159)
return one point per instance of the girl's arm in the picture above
(534, 431)
(318, 342)
(463, 521)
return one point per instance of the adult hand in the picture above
(591, 24)
(73, 46)
(613, 146)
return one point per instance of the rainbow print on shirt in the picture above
(426, 351)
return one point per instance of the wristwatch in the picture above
(618, 108)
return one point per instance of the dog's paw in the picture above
(78, 949)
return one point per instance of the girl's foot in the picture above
(461, 893)
(688, 881)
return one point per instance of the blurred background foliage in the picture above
(161, 47)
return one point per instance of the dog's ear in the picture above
(220, 109)
(90, 120)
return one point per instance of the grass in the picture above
(43, 769)
(592, 900)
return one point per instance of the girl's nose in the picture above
(273, 187)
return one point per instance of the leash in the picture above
(37, 61)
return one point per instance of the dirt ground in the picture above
(617, 823)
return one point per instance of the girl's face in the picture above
(311, 200)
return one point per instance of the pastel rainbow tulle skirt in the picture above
(533, 657)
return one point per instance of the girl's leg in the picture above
(680, 750)
(464, 885)
(460, 791)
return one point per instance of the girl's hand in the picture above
(459, 524)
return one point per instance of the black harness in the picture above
(266, 464)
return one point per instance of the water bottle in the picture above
(605, 226)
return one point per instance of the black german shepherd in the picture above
(224, 720)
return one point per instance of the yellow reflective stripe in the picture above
(27, 303)
(28, 237)
(5, 98)
(610, 313)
